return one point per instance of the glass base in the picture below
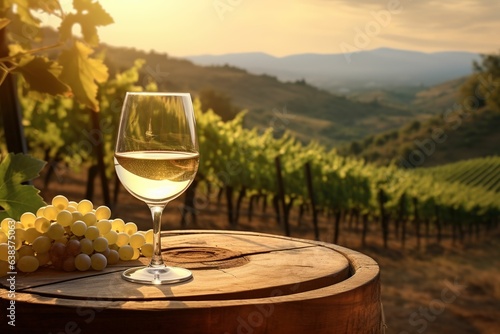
(161, 275)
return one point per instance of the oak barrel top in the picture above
(231, 269)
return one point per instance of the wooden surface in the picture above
(242, 283)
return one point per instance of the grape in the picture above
(4, 252)
(147, 249)
(137, 240)
(76, 216)
(39, 212)
(112, 237)
(89, 218)
(92, 233)
(85, 206)
(73, 247)
(105, 252)
(71, 209)
(50, 212)
(62, 240)
(136, 255)
(113, 257)
(79, 228)
(73, 204)
(117, 225)
(43, 258)
(28, 264)
(69, 264)
(104, 226)
(57, 251)
(60, 202)
(82, 262)
(55, 231)
(26, 250)
(102, 212)
(149, 236)
(130, 228)
(86, 246)
(98, 261)
(41, 244)
(28, 219)
(18, 243)
(42, 224)
(19, 234)
(5, 225)
(122, 239)
(126, 252)
(100, 244)
(3, 237)
(64, 218)
(31, 234)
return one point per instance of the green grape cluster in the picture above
(68, 235)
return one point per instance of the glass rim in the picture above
(160, 93)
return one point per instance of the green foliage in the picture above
(74, 72)
(41, 74)
(59, 129)
(82, 73)
(480, 172)
(483, 87)
(219, 102)
(15, 197)
(245, 159)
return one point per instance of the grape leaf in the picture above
(3, 22)
(41, 74)
(82, 73)
(89, 15)
(15, 197)
(23, 10)
(48, 6)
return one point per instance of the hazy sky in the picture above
(283, 27)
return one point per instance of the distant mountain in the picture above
(382, 67)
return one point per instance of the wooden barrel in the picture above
(242, 283)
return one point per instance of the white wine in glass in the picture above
(156, 159)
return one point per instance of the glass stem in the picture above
(156, 212)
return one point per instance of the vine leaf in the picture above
(89, 15)
(3, 22)
(41, 74)
(17, 198)
(82, 73)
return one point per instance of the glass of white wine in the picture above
(156, 159)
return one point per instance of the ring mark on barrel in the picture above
(204, 257)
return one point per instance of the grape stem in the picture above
(156, 212)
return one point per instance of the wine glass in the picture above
(156, 159)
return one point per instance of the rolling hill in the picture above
(304, 110)
(436, 141)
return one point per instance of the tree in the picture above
(220, 103)
(482, 88)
